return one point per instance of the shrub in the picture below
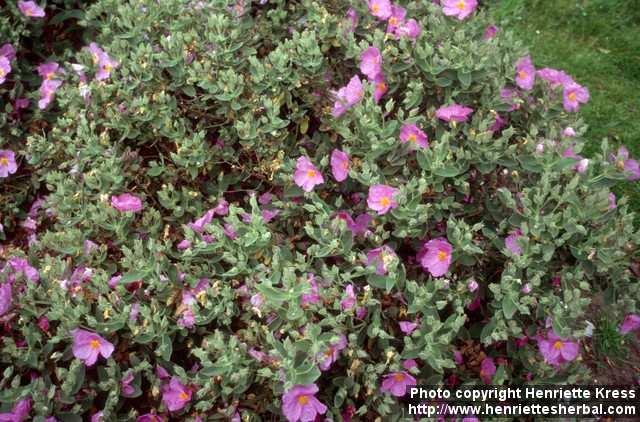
(253, 208)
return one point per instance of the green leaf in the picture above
(509, 306)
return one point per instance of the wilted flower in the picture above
(380, 87)
(332, 353)
(454, 113)
(574, 95)
(556, 350)
(511, 242)
(151, 417)
(300, 404)
(413, 134)
(435, 256)
(8, 51)
(347, 96)
(525, 73)
(380, 9)
(408, 327)
(459, 8)
(569, 132)
(487, 370)
(21, 265)
(87, 346)
(554, 77)
(19, 412)
(472, 285)
(381, 198)
(339, 165)
(126, 202)
(630, 323)
(352, 17)
(175, 395)
(125, 385)
(314, 295)
(490, 32)
(347, 303)
(31, 9)
(630, 166)
(6, 298)
(7, 163)
(381, 257)
(410, 29)
(307, 176)
(612, 201)
(396, 383)
(371, 62)
(409, 364)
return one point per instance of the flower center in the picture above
(303, 399)
(345, 165)
(442, 255)
(557, 345)
(2, 73)
(311, 173)
(413, 137)
(385, 201)
(572, 96)
(184, 396)
(94, 344)
(329, 352)
(461, 5)
(108, 67)
(375, 8)
(393, 21)
(522, 74)
(398, 377)
(4, 161)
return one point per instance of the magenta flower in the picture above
(314, 296)
(360, 225)
(222, 208)
(569, 132)
(347, 96)
(379, 87)
(47, 92)
(554, 77)
(199, 225)
(396, 383)
(8, 51)
(487, 370)
(490, 32)
(410, 29)
(125, 385)
(381, 198)
(5, 69)
(381, 9)
(19, 412)
(525, 73)
(409, 364)
(509, 95)
(126, 202)
(30, 9)
(435, 256)
(48, 70)
(345, 304)
(511, 242)
(628, 165)
(454, 113)
(582, 164)
(408, 327)
(339, 165)
(332, 353)
(396, 19)
(105, 63)
(175, 395)
(6, 298)
(381, 257)
(87, 346)
(556, 350)
(574, 95)
(630, 323)
(371, 62)
(459, 8)
(414, 135)
(300, 404)
(307, 176)
(22, 265)
(7, 163)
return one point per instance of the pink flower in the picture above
(574, 95)
(582, 164)
(556, 350)
(396, 19)
(454, 112)
(381, 9)
(487, 370)
(347, 96)
(22, 265)
(511, 242)
(525, 73)
(199, 225)
(87, 346)
(345, 304)
(352, 17)
(371, 62)
(19, 412)
(413, 134)
(300, 404)
(5, 69)
(175, 395)
(381, 198)
(7, 163)
(48, 70)
(410, 29)
(47, 92)
(435, 256)
(307, 176)
(8, 51)
(631, 323)
(31, 9)
(408, 327)
(457, 357)
(381, 257)
(339, 165)
(379, 87)
(490, 32)
(126, 202)
(125, 385)
(554, 77)
(612, 201)
(6, 298)
(409, 364)
(105, 63)
(222, 208)
(396, 383)
(314, 296)
(509, 95)
(332, 353)
(459, 8)
(630, 166)
(498, 124)
(569, 132)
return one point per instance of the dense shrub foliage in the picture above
(271, 209)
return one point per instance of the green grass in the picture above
(598, 43)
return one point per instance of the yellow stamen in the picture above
(375, 8)
(4, 161)
(94, 344)
(461, 5)
(184, 396)
(398, 377)
(303, 399)
(442, 255)
(385, 201)
(413, 138)
(311, 173)
(572, 96)
(557, 345)
(522, 74)
(2, 73)
(393, 21)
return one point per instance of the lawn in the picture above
(598, 42)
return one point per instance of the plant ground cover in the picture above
(598, 41)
